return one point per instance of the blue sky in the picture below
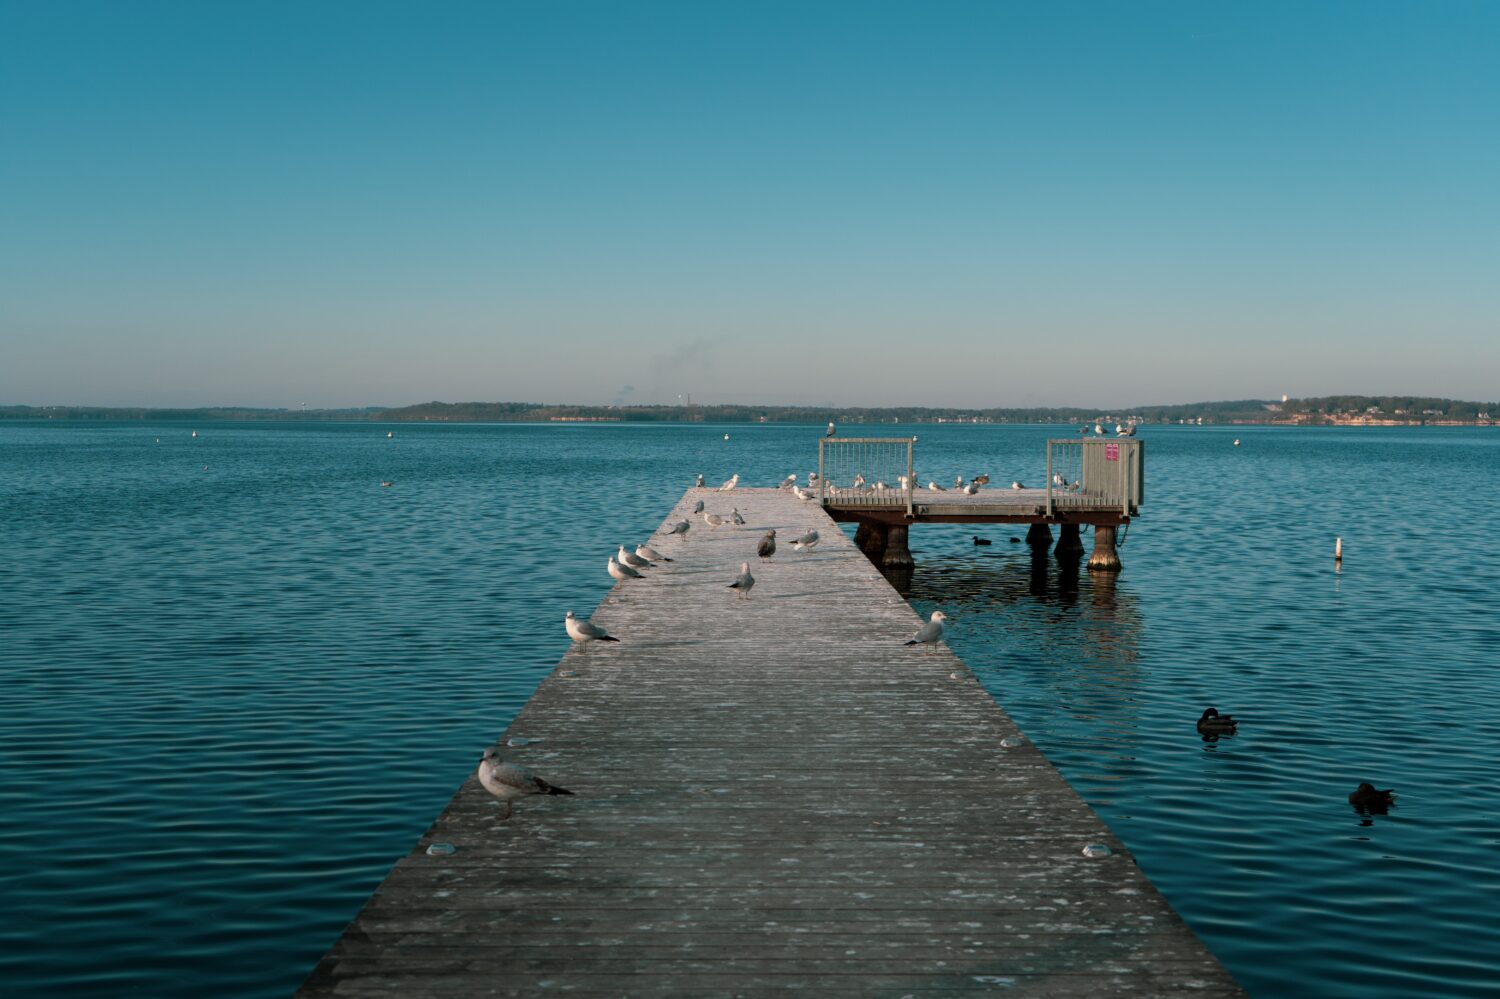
(857, 203)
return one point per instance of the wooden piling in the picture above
(1104, 558)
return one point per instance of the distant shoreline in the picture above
(1342, 411)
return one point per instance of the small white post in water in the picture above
(1338, 549)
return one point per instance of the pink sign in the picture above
(1111, 452)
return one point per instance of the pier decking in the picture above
(771, 795)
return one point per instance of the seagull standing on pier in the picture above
(730, 483)
(829, 431)
(698, 507)
(651, 554)
(699, 483)
(584, 632)
(632, 559)
(734, 515)
(509, 781)
(767, 545)
(622, 572)
(743, 582)
(806, 542)
(931, 631)
(788, 482)
(681, 527)
(713, 520)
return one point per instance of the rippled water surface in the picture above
(238, 677)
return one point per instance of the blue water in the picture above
(239, 678)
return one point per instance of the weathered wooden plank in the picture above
(772, 794)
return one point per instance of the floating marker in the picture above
(1338, 549)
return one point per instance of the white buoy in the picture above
(726, 437)
(1236, 442)
(1338, 549)
(390, 433)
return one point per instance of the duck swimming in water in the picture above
(1213, 723)
(1366, 799)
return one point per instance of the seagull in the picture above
(508, 781)
(972, 489)
(1367, 800)
(712, 519)
(387, 483)
(389, 434)
(651, 553)
(633, 560)
(807, 541)
(698, 507)
(585, 631)
(937, 488)
(983, 480)
(1017, 485)
(958, 482)
(829, 431)
(743, 581)
(681, 527)
(1213, 723)
(804, 494)
(622, 572)
(788, 482)
(767, 544)
(734, 515)
(730, 483)
(699, 483)
(931, 631)
(1058, 480)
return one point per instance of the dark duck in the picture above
(1213, 723)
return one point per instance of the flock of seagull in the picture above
(508, 781)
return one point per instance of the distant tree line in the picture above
(1413, 408)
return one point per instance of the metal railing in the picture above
(865, 472)
(1096, 475)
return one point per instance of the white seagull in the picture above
(509, 781)
(1017, 485)
(931, 631)
(699, 483)
(808, 540)
(622, 572)
(713, 519)
(632, 559)
(972, 489)
(829, 431)
(788, 482)
(937, 488)
(651, 553)
(585, 631)
(743, 582)
(730, 483)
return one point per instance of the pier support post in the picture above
(1069, 544)
(897, 555)
(1039, 536)
(1104, 558)
(869, 538)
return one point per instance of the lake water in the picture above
(239, 678)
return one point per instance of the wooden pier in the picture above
(771, 795)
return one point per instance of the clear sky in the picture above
(986, 203)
